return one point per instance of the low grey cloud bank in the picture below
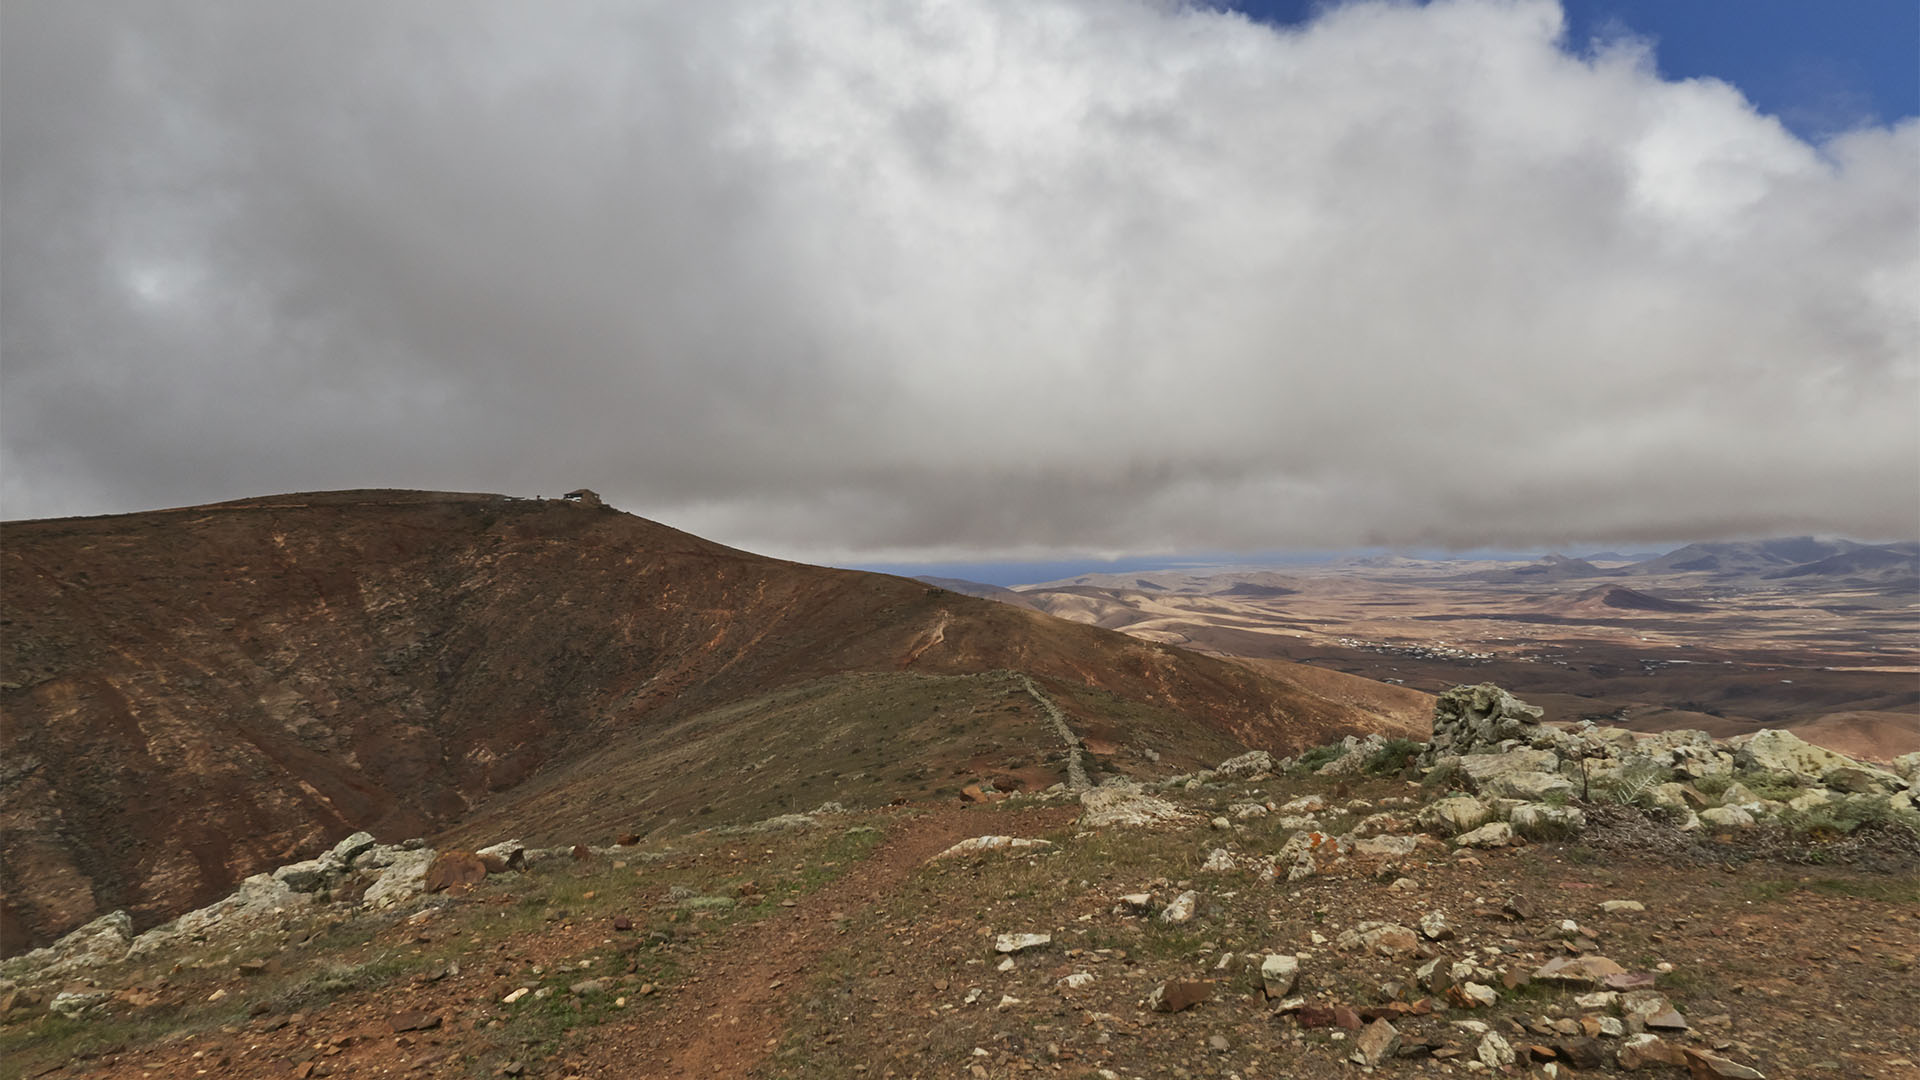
(944, 279)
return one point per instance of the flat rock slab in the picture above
(455, 872)
(414, 1020)
(1179, 995)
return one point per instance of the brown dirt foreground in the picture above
(730, 1012)
(838, 951)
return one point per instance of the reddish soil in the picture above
(729, 1013)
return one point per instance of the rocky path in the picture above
(1076, 770)
(728, 1013)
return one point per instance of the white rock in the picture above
(1078, 980)
(1250, 765)
(977, 844)
(1386, 846)
(1278, 973)
(1125, 804)
(1492, 835)
(102, 941)
(1181, 909)
(1016, 943)
(1220, 861)
(1727, 817)
(1494, 1051)
(403, 879)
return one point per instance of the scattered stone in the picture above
(1387, 846)
(1621, 907)
(1705, 1066)
(1182, 908)
(1179, 995)
(1646, 1052)
(1278, 974)
(1252, 765)
(1454, 815)
(1384, 939)
(515, 995)
(1079, 980)
(1219, 861)
(1305, 804)
(414, 1020)
(1220, 823)
(1589, 970)
(588, 987)
(1435, 927)
(1494, 1052)
(1473, 995)
(1018, 943)
(1135, 904)
(1377, 1042)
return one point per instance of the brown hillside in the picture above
(193, 695)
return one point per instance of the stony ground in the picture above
(846, 949)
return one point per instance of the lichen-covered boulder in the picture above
(1455, 815)
(102, 941)
(403, 878)
(1248, 766)
(1777, 751)
(1527, 785)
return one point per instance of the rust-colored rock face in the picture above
(194, 695)
(456, 872)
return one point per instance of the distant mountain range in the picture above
(1844, 561)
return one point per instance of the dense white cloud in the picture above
(948, 278)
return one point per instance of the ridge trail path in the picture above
(1076, 771)
(729, 1011)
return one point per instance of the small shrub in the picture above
(1445, 777)
(1714, 785)
(1779, 787)
(1633, 785)
(1312, 761)
(1394, 756)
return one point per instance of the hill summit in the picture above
(194, 695)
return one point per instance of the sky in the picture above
(958, 282)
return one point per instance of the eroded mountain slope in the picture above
(192, 695)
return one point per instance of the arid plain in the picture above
(1816, 636)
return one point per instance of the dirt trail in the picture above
(727, 1014)
(933, 637)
